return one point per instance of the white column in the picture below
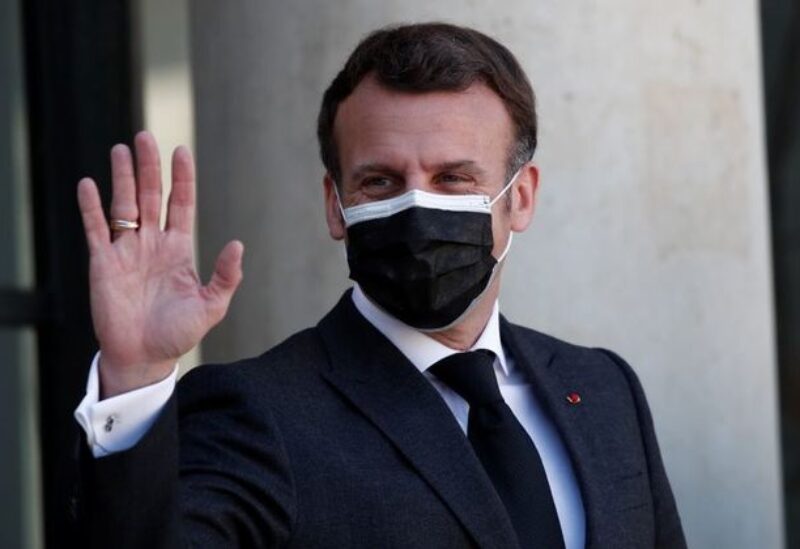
(651, 235)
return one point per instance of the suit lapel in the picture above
(376, 378)
(553, 378)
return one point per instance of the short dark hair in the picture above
(430, 57)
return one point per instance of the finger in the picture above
(94, 220)
(123, 180)
(148, 174)
(226, 278)
(180, 214)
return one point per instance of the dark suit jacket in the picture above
(333, 439)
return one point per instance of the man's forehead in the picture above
(448, 125)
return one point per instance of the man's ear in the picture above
(333, 214)
(524, 199)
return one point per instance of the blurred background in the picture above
(668, 227)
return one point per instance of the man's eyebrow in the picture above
(467, 165)
(364, 169)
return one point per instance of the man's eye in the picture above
(377, 183)
(379, 187)
(450, 178)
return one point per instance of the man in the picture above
(413, 414)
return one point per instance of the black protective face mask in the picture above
(424, 258)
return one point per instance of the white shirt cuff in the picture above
(118, 423)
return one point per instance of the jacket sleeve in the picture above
(211, 472)
(669, 532)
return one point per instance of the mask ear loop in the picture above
(495, 199)
(508, 247)
(339, 203)
(507, 186)
(344, 217)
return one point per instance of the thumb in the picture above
(226, 278)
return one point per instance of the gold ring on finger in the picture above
(123, 225)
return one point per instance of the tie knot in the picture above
(471, 375)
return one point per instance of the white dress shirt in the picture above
(118, 423)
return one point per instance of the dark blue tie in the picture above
(504, 448)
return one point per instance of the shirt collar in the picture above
(422, 350)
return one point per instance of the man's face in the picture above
(390, 142)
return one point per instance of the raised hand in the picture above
(148, 304)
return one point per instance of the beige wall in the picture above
(166, 79)
(651, 234)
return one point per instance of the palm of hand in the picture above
(157, 295)
(148, 304)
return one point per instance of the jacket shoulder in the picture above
(584, 357)
(293, 361)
